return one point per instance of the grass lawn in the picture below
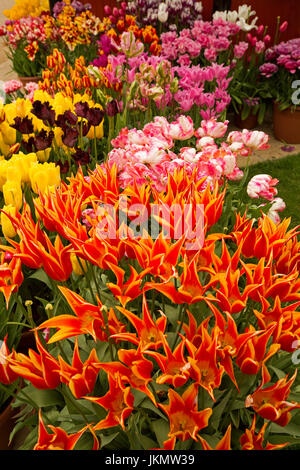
(287, 171)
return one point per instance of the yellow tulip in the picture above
(9, 134)
(7, 226)
(79, 267)
(3, 172)
(13, 173)
(4, 148)
(43, 155)
(22, 163)
(12, 193)
(43, 176)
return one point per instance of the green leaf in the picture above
(161, 429)
(291, 429)
(147, 404)
(105, 440)
(41, 276)
(218, 411)
(43, 398)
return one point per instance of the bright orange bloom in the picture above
(266, 238)
(149, 331)
(286, 321)
(271, 402)
(205, 370)
(36, 250)
(287, 287)
(230, 342)
(251, 441)
(118, 401)
(88, 319)
(223, 444)
(80, 377)
(158, 257)
(253, 354)
(41, 369)
(61, 210)
(190, 290)
(228, 293)
(133, 369)
(7, 375)
(125, 291)
(175, 368)
(59, 440)
(185, 419)
(11, 276)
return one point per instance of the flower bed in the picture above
(159, 283)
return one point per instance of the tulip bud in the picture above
(12, 194)
(115, 12)
(283, 27)
(267, 39)
(260, 30)
(124, 6)
(8, 229)
(107, 10)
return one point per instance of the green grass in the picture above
(287, 171)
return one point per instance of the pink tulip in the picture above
(262, 186)
(283, 27)
(107, 10)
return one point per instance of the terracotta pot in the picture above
(7, 423)
(249, 123)
(286, 125)
(25, 80)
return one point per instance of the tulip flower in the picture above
(223, 444)
(271, 402)
(11, 277)
(59, 440)
(174, 366)
(254, 441)
(12, 193)
(185, 419)
(40, 368)
(149, 331)
(204, 369)
(283, 26)
(7, 375)
(255, 353)
(6, 225)
(80, 377)
(134, 369)
(118, 401)
(262, 186)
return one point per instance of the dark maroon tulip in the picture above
(23, 125)
(43, 140)
(70, 136)
(44, 111)
(81, 157)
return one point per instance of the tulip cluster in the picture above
(280, 69)
(174, 14)
(188, 336)
(147, 155)
(25, 8)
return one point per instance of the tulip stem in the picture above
(180, 319)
